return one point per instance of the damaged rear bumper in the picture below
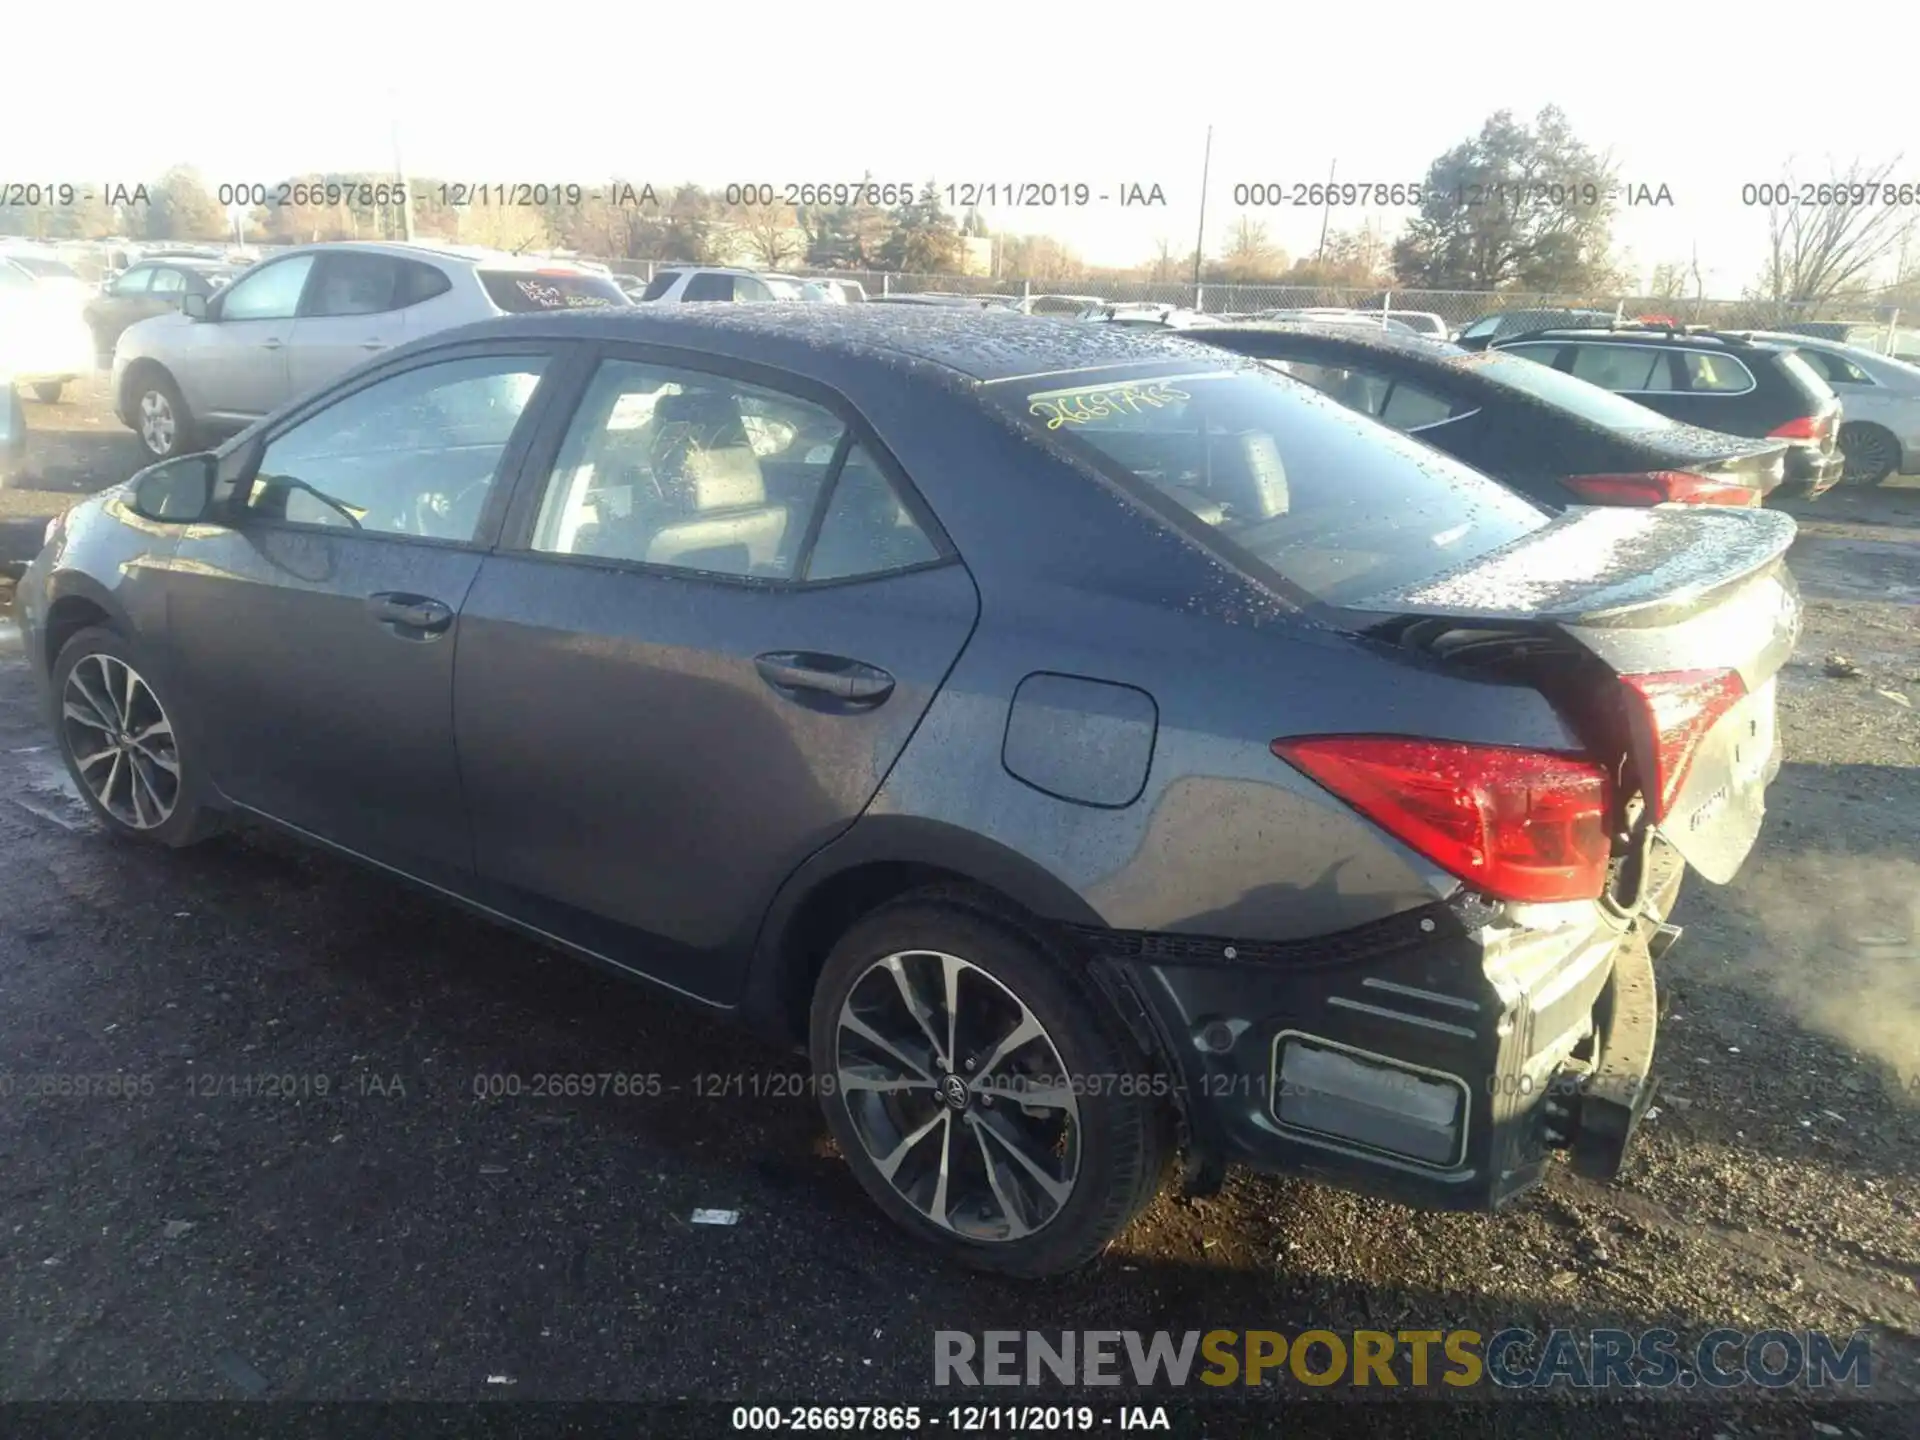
(1438, 1059)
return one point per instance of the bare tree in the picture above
(1250, 255)
(1819, 251)
(771, 233)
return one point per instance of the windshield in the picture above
(1592, 403)
(783, 289)
(1334, 503)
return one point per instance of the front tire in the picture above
(118, 736)
(983, 1092)
(160, 415)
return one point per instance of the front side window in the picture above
(1835, 368)
(168, 282)
(414, 454)
(1334, 503)
(697, 472)
(269, 293)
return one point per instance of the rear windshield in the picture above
(1334, 503)
(520, 291)
(1592, 403)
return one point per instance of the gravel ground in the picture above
(399, 1238)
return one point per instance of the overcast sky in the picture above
(1108, 95)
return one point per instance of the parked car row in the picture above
(1086, 745)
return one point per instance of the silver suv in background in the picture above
(297, 320)
(722, 283)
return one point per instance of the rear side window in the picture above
(420, 282)
(1716, 374)
(708, 286)
(350, 284)
(168, 282)
(134, 282)
(867, 529)
(660, 284)
(1536, 378)
(1622, 367)
(519, 292)
(1332, 502)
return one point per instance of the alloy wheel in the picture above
(157, 424)
(121, 741)
(1868, 454)
(958, 1095)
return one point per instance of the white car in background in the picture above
(297, 320)
(1879, 404)
(44, 339)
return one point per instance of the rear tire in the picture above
(159, 414)
(1872, 453)
(117, 734)
(1043, 1149)
(48, 392)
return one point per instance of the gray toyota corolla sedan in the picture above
(1092, 748)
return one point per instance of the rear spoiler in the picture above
(1600, 566)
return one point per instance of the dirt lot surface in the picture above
(400, 1238)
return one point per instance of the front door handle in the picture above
(373, 344)
(411, 613)
(270, 344)
(832, 676)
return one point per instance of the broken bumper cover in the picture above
(1438, 1059)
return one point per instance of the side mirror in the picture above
(193, 306)
(176, 492)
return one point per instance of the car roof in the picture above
(475, 255)
(864, 342)
(1723, 339)
(1376, 339)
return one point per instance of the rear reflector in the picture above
(1660, 487)
(1514, 824)
(1676, 709)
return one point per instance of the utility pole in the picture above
(1326, 210)
(400, 172)
(1200, 241)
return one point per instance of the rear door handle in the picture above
(373, 345)
(405, 613)
(270, 344)
(833, 676)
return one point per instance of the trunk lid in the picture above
(1678, 619)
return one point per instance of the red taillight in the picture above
(1807, 427)
(1516, 824)
(1676, 710)
(1660, 487)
